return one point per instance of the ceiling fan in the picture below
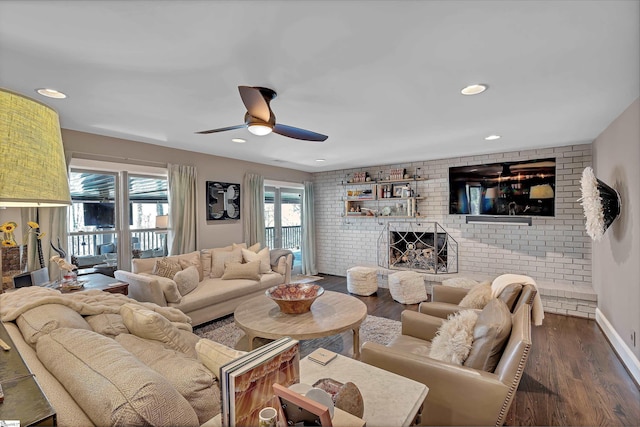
(260, 119)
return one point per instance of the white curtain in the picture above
(53, 223)
(253, 209)
(308, 231)
(181, 184)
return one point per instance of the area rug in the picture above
(373, 328)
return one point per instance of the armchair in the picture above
(445, 300)
(458, 394)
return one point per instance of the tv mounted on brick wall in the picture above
(522, 188)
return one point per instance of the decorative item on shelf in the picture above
(295, 298)
(416, 175)
(601, 204)
(360, 177)
(396, 174)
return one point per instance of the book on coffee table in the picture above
(246, 382)
(322, 356)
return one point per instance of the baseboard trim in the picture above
(627, 357)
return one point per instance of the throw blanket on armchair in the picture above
(13, 304)
(504, 280)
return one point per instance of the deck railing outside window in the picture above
(291, 237)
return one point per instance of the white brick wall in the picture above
(552, 249)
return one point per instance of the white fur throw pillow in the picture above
(477, 297)
(453, 340)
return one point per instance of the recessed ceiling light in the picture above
(474, 89)
(492, 137)
(239, 140)
(320, 160)
(51, 93)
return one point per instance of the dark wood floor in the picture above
(573, 377)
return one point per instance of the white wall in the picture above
(616, 258)
(209, 168)
(553, 249)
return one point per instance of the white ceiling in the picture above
(381, 78)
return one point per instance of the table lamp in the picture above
(33, 170)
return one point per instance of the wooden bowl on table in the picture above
(295, 298)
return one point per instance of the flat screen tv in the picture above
(523, 188)
(100, 215)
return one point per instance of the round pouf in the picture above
(407, 287)
(362, 281)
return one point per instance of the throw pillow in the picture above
(189, 376)
(145, 323)
(115, 387)
(490, 335)
(253, 248)
(477, 297)
(220, 256)
(213, 355)
(168, 286)
(107, 324)
(239, 246)
(166, 268)
(236, 270)
(43, 319)
(453, 340)
(262, 256)
(187, 260)
(187, 280)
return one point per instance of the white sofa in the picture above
(105, 359)
(215, 295)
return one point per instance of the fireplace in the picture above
(421, 247)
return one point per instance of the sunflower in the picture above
(8, 243)
(32, 224)
(8, 227)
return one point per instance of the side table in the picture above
(23, 398)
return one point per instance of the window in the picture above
(102, 216)
(283, 221)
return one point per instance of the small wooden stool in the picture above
(407, 287)
(362, 281)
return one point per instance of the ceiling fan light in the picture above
(260, 129)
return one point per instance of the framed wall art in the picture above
(223, 201)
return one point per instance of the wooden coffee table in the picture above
(103, 283)
(331, 314)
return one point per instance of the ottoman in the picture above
(362, 280)
(407, 287)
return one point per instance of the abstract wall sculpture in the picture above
(600, 202)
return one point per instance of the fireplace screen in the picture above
(424, 247)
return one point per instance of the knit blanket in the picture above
(504, 280)
(87, 303)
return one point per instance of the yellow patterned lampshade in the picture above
(33, 170)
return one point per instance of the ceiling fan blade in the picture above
(298, 133)
(223, 129)
(254, 100)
